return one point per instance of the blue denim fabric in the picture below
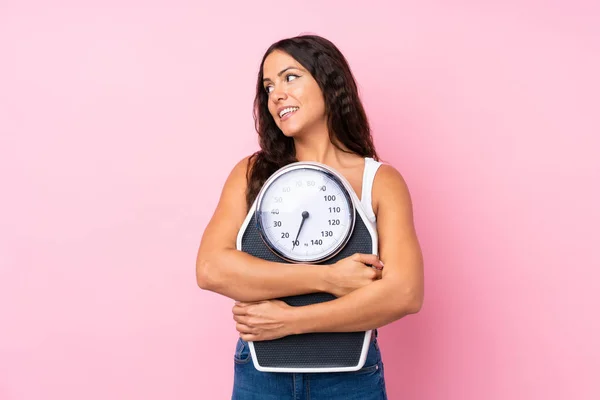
(367, 383)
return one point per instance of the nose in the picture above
(279, 93)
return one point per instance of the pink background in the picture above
(120, 121)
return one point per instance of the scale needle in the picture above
(304, 216)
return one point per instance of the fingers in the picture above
(373, 274)
(243, 321)
(248, 337)
(369, 259)
(247, 332)
(247, 323)
(378, 274)
(241, 328)
(239, 310)
(240, 318)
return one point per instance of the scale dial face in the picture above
(305, 213)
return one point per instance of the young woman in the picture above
(307, 108)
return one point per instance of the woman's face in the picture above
(295, 98)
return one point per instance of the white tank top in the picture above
(371, 167)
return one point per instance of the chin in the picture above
(291, 132)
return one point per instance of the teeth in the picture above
(287, 110)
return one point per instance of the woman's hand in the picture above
(354, 272)
(274, 319)
(263, 320)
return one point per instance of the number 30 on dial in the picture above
(305, 213)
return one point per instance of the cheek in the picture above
(320, 107)
(314, 100)
(272, 109)
(320, 102)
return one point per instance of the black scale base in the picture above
(311, 350)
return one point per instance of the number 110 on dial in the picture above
(305, 213)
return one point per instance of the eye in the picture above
(288, 78)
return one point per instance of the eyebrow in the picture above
(281, 72)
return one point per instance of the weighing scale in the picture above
(307, 212)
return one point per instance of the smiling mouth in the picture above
(287, 112)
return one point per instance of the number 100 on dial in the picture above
(305, 213)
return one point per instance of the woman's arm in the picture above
(223, 269)
(399, 292)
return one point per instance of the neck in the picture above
(318, 147)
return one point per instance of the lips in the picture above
(284, 111)
(288, 115)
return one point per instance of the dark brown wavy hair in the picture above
(346, 118)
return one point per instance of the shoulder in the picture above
(242, 167)
(390, 188)
(236, 183)
(244, 164)
(388, 174)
